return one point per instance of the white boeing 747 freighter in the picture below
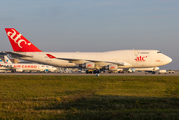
(92, 61)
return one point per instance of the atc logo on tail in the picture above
(19, 42)
(16, 38)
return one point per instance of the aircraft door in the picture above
(136, 52)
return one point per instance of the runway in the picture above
(101, 74)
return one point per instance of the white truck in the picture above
(162, 72)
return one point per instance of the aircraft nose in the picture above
(168, 60)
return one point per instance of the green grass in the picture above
(89, 97)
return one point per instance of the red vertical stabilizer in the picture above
(19, 42)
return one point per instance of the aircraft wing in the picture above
(95, 61)
(17, 54)
(85, 60)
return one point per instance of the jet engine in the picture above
(88, 65)
(111, 67)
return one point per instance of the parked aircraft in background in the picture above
(92, 61)
(21, 67)
(7, 60)
(147, 69)
(1, 61)
(131, 70)
(2, 69)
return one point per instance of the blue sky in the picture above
(94, 25)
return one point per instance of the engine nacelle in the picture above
(111, 67)
(88, 65)
(19, 70)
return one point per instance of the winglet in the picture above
(50, 56)
(19, 42)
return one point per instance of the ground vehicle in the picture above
(170, 71)
(162, 72)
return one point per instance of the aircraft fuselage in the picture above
(130, 58)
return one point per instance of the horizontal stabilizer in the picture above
(18, 54)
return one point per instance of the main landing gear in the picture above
(153, 72)
(92, 71)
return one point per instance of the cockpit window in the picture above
(158, 52)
